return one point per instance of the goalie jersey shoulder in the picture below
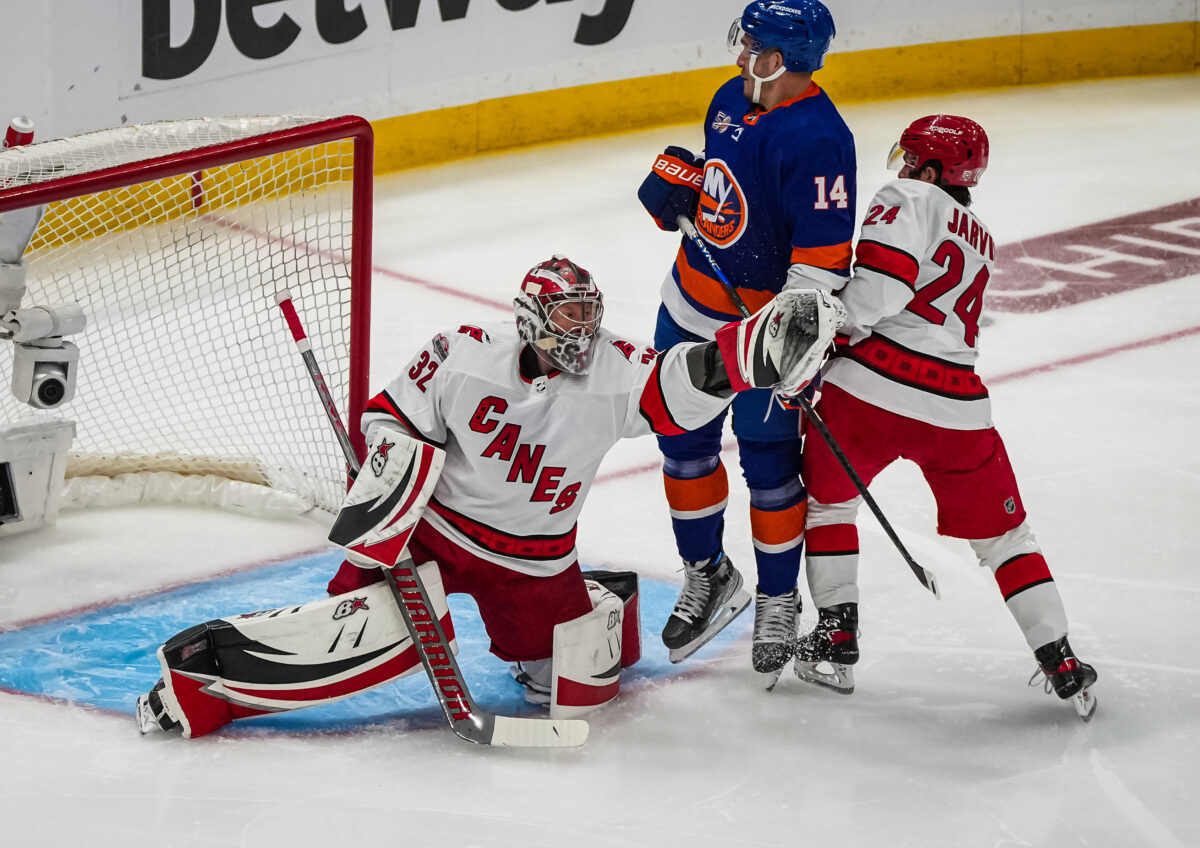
(443, 341)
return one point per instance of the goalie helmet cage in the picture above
(175, 237)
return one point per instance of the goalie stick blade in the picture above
(484, 728)
(538, 732)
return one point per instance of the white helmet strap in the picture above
(758, 81)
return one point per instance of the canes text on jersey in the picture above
(525, 460)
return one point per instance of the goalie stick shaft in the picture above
(429, 639)
(288, 308)
(923, 575)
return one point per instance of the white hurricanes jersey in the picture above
(913, 307)
(520, 454)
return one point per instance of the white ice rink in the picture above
(942, 745)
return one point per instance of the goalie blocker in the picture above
(292, 657)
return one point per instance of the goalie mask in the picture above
(559, 311)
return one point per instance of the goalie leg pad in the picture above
(293, 657)
(587, 657)
(624, 584)
(386, 501)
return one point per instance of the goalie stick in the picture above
(923, 575)
(466, 719)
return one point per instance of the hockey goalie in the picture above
(480, 456)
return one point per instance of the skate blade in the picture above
(833, 676)
(1084, 703)
(768, 679)
(735, 606)
(145, 716)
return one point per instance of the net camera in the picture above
(45, 366)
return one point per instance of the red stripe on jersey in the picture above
(1021, 572)
(887, 260)
(832, 540)
(896, 362)
(710, 292)
(653, 406)
(833, 257)
(506, 544)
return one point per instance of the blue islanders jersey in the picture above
(778, 190)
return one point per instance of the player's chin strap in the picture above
(758, 81)
(924, 575)
(386, 545)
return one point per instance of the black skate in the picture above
(776, 622)
(825, 655)
(151, 713)
(711, 598)
(1066, 676)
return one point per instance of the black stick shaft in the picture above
(924, 575)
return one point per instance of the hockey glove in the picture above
(782, 345)
(672, 188)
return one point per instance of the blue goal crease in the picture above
(106, 657)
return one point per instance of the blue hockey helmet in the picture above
(800, 29)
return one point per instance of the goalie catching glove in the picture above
(782, 345)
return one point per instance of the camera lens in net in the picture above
(50, 392)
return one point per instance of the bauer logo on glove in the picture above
(781, 346)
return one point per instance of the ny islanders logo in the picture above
(722, 213)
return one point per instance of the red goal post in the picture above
(175, 238)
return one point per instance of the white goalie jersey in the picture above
(913, 306)
(521, 454)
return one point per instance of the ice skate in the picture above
(151, 713)
(825, 656)
(712, 597)
(776, 623)
(1066, 676)
(536, 677)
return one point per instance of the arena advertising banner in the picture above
(396, 56)
(76, 66)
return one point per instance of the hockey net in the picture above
(175, 238)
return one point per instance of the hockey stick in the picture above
(284, 300)
(924, 575)
(466, 719)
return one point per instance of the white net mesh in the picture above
(186, 363)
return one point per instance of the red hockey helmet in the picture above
(558, 311)
(958, 143)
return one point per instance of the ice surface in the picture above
(942, 744)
